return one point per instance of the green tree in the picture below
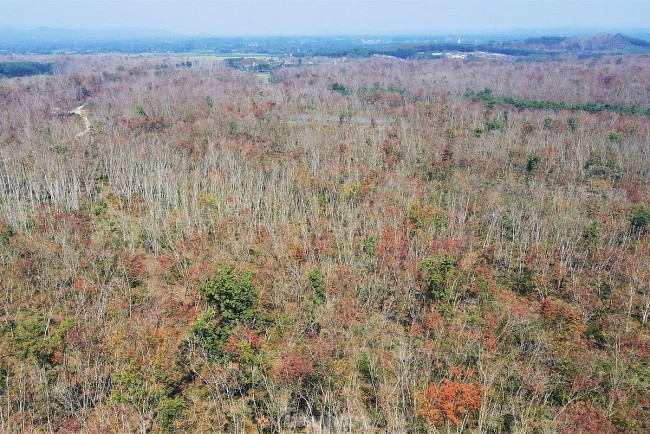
(208, 334)
(340, 88)
(639, 216)
(316, 282)
(234, 294)
(436, 273)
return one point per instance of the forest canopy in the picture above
(24, 69)
(330, 246)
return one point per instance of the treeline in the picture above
(547, 47)
(24, 69)
(277, 46)
(415, 50)
(590, 107)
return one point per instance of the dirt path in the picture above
(83, 114)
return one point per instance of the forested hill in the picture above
(358, 246)
(601, 42)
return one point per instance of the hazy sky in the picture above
(270, 17)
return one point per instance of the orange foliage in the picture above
(451, 402)
(489, 334)
(394, 246)
(244, 339)
(584, 418)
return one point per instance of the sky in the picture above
(316, 17)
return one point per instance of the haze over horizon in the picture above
(318, 17)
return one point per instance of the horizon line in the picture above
(394, 33)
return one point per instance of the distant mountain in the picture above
(49, 34)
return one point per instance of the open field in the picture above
(359, 245)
